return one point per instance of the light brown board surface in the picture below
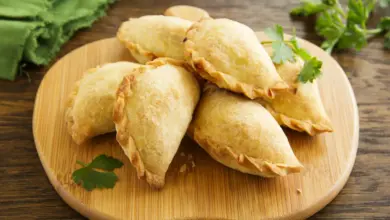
(210, 190)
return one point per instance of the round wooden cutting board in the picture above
(209, 190)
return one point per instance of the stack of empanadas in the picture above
(152, 105)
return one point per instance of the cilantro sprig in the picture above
(342, 28)
(90, 178)
(385, 25)
(282, 52)
(310, 7)
(286, 50)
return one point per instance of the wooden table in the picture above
(25, 192)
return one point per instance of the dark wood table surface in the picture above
(26, 193)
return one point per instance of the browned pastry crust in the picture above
(300, 125)
(250, 164)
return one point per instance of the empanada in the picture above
(302, 110)
(241, 134)
(90, 105)
(228, 54)
(152, 113)
(153, 36)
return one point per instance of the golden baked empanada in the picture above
(302, 110)
(152, 113)
(241, 134)
(228, 54)
(153, 36)
(90, 106)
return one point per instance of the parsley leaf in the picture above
(385, 23)
(387, 40)
(330, 26)
(298, 50)
(353, 37)
(339, 29)
(310, 71)
(105, 163)
(359, 11)
(312, 67)
(282, 52)
(356, 34)
(89, 178)
(276, 33)
(310, 7)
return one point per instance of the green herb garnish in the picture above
(90, 178)
(286, 50)
(342, 28)
(310, 71)
(282, 52)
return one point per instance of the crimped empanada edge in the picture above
(134, 48)
(78, 135)
(224, 153)
(123, 136)
(299, 125)
(209, 72)
(167, 60)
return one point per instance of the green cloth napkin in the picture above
(34, 30)
(24, 8)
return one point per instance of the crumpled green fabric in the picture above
(34, 30)
(24, 8)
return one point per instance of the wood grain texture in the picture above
(212, 191)
(26, 193)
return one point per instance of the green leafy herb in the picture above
(105, 163)
(339, 29)
(282, 52)
(359, 11)
(310, 71)
(385, 23)
(310, 7)
(387, 40)
(352, 38)
(330, 26)
(356, 34)
(90, 178)
(298, 50)
(312, 66)
(276, 33)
